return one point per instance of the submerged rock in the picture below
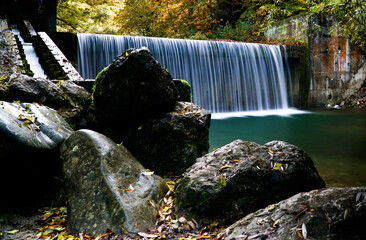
(169, 144)
(30, 138)
(107, 188)
(131, 90)
(242, 177)
(333, 213)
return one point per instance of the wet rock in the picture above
(69, 99)
(30, 138)
(130, 90)
(107, 188)
(172, 142)
(184, 90)
(242, 177)
(333, 213)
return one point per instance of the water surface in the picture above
(334, 139)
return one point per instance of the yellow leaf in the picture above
(13, 231)
(276, 223)
(47, 232)
(223, 181)
(147, 173)
(270, 208)
(126, 54)
(299, 234)
(226, 166)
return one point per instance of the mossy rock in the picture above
(131, 90)
(184, 90)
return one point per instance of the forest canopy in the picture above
(204, 19)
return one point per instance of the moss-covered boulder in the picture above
(242, 177)
(171, 143)
(107, 188)
(184, 90)
(131, 90)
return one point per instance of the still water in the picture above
(334, 139)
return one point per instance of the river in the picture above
(334, 139)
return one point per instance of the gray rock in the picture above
(242, 177)
(69, 99)
(131, 90)
(171, 143)
(32, 125)
(333, 213)
(31, 135)
(107, 188)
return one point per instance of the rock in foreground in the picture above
(333, 213)
(243, 177)
(171, 143)
(107, 188)
(31, 135)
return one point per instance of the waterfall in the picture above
(224, 76)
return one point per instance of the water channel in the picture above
(334, 139)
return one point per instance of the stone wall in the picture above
(338, 69)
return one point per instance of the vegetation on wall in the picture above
(205, 19)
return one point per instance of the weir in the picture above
(224, 76)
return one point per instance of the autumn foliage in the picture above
(166, 18)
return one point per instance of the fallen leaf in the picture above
(304, 231)
(147, 173)
(13, 231)
(270, 208)
(223, 181)
(226, 166)
(299, 234)
(142, 234)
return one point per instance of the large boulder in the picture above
(69, 99)
(107, 188)
(171, 143)
(130, 90)
(333, 213)
(243, 177)
(31, 135)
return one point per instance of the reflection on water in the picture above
(334, 139)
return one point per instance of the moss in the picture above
(184, 90)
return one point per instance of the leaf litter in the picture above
(53, 225)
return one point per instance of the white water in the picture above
(224, 76)
(31, 57)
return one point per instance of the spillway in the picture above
(224, 76)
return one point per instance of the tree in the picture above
(166, 18)
(351, 16)
(94, 16)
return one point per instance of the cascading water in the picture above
(31, 56)
(224, 76)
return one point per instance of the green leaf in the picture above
(223, 181)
